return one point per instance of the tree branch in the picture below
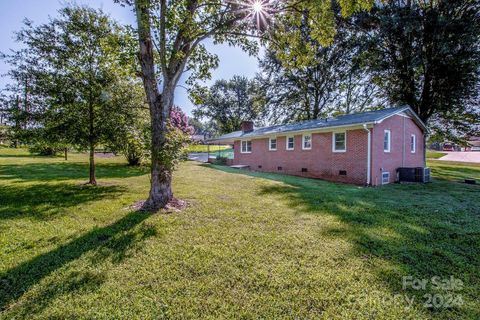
(163, 40)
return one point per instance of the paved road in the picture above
(199, 156)
(473, 156)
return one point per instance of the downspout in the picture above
(424, 149)
(369, 153)
(403, 148)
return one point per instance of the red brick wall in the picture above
(400, 156)
(320, 161)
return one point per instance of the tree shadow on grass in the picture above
(68, 283)
(46, 200)
(27, 156)
(399, 230)
(67, 171)
(112, 241)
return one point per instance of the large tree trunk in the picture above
(160, 104)
(161, 176)
(160, 186)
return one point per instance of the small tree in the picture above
(73, 63)
(132, 132)
(4, 137)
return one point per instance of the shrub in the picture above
(44, 149)
(133, 149)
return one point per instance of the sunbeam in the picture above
(258, 11)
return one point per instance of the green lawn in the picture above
(250, 245)
(431, 154)
(204, 148)
(215, 150)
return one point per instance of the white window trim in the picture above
(303, 141)
(270, 144)
(333, 142)
(387, 173)
(389, 141)
(414, 143)
(286, 143)
(241, 146)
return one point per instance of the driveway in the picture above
(473, 157)
(198, 156)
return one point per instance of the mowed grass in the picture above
(431, 154)
(250, 245)
(205, 148)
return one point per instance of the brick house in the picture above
(363, 148)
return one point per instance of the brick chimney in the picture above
(246, 126)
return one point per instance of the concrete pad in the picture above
(240, 166)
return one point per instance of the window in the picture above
(339, 142)
(290, 143)
(307, 142)
(413, 143)
(385, 177)
(246, 146)
(386, 140)
(272, 145)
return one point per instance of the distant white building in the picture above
(474, 144)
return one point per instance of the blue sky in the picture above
(12, 13)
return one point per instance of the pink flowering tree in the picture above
(178, 138)
(179, 120)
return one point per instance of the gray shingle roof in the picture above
(345, 120)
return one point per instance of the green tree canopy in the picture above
(426, 53)
(330, 82)
(229, 102)
(72, 67)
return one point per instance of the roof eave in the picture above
(286, 133)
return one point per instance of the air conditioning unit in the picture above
(406, 175)
(422, 174)
(419, 174)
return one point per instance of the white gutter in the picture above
(369, 153)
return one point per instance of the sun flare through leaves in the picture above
(260, 12)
